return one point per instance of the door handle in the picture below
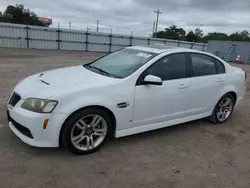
(183, 86)
(219, 80)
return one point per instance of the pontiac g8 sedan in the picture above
(133, 90)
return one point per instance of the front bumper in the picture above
(28, 126)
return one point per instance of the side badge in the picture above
(122, 105)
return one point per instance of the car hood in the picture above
(59, 81)
(69, 75)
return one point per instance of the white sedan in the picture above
(130, 91)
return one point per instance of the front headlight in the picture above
(39, 105)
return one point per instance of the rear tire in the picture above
(86, 131)
(223, 109)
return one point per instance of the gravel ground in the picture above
(192, 155)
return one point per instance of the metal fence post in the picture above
(165, 42)
(58, 38)
(179, 43)
(27, 36)
(203, 47)
(87, 40)
(191, 47)
(148, 41)
(110, 42)
(130, 42)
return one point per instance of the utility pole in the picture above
(153, 32)
(157, 19)
(69, 25)
(97, 25)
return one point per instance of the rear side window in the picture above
(170, 67)
(220, 67)
(202, 65)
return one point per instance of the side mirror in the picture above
(152, 80)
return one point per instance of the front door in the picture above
(154, 104)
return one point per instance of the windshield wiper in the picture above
(100, 70)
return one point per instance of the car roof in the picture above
(162, 48)
(158, 49)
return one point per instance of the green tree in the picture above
(18, 14)
(1, 16)
(191, 37)
(173, 32)
(215, 36)
(161, 34)
(240, 36)
(198, 33)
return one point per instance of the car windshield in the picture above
(122, 63)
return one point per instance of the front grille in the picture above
(25, 131)
(15, 98)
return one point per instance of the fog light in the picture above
(45, 123)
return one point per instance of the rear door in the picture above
(206, 81)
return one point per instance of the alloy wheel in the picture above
(225, 109)
(88, 132)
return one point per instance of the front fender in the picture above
(85, 101)
(69, 107)
(123, 116)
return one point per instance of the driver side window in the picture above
(170, 67)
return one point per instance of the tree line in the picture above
(175, 33)
(19, 15)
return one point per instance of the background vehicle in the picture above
(133, 90)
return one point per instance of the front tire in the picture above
(223, 109)
(86, 131)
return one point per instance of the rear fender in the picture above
(225, 90)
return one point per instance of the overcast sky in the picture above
(124, 16)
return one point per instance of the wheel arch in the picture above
(230, 90)
(233, 94)
(212, 117)
(113, 118)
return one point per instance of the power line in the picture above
(157, 19)
(97, 25)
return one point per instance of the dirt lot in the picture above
(191, 155)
